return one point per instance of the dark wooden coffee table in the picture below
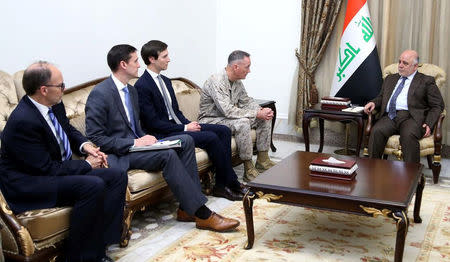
(381, 187)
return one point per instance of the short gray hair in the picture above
(237, 55)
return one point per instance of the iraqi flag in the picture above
(358, 73)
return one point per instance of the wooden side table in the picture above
(270, 104)
(331, 115)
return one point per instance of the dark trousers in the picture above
(98, 199)
(410, 134)
(216, 140)
(179, 170)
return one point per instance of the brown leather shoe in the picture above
(182, 216)
(217, 223)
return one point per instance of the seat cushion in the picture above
(426, 145)
(43, 224)
(139, 179)
(202, 159)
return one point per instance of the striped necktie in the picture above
(62, 135)
(166, 100)
(393, 104)
(130, 109)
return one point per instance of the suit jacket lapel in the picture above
(171, 91)
(154, 88)
(413, 86)
(118, 101)
(136, 112)
(44, 123)
(394, 83)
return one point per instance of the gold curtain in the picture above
(400, 25)
(318, 20)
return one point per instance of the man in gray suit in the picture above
(112, 122)
(410, 104)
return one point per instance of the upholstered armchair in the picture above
(429, 146)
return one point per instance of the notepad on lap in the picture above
(158, 145)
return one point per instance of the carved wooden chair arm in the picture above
(21, 234)
(437, 137)
(369, 124)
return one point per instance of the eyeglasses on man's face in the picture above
(62, 86)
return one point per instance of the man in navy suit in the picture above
(37, 170)
(112, 122)
(161, 115)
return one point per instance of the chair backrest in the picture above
(188, 97)
(427, 69)
(8, 97)
(17, 77)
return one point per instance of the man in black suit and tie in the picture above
(37, 169)
(161, 116)
(112, 122)
(410, 104)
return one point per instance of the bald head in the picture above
(36, 75)
(408, 62)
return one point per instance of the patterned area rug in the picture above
(287, 233)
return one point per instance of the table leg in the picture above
(305, 123)
(402, 229)
(321, 126)
(248, 210)
(271, 105)
(418, 200)
(360, 123)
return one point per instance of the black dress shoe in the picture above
(106, 259)
(241, 189)
(227, 193)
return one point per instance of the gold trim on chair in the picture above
(5, 208)
(26, 242)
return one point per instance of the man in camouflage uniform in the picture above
(224, 101)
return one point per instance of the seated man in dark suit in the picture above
(161, 116)
(410, 104)
(112, 122)
(37, 170)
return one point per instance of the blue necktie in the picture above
(166, 100)
(62, 135)
(393, 104)
(130, 109)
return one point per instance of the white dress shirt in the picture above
(402, 99)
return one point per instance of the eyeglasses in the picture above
(62, 86)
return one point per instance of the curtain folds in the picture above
(318, 21)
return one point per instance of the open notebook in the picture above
(354, 109)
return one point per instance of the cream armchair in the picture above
(429, 146)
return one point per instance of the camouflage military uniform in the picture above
(226, 104)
